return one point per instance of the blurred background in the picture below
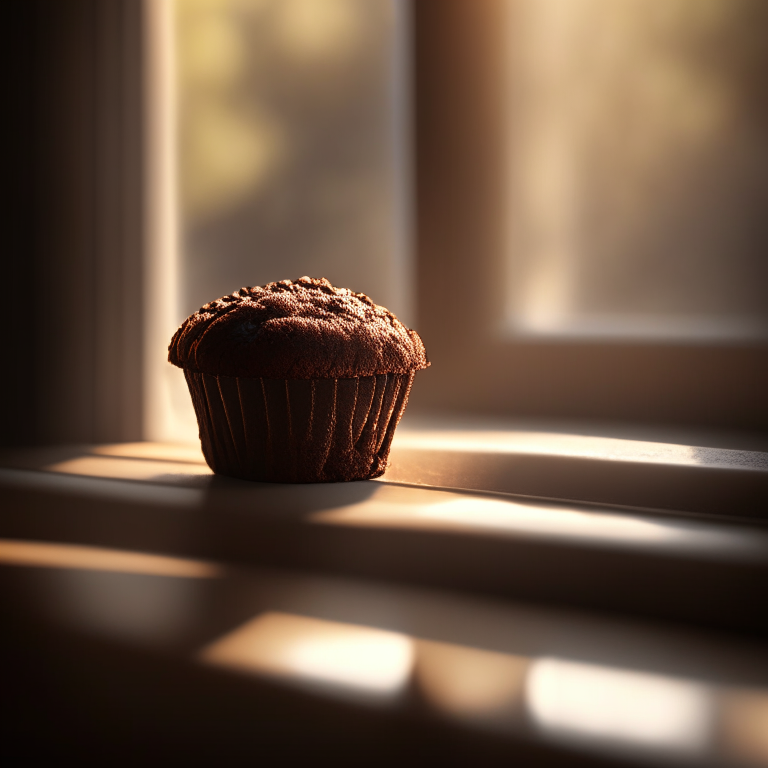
(638, 168)
(293, 145)
(550, 191)
(567, 199)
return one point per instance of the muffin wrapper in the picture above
(298, 430)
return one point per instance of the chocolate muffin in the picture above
(297, 381)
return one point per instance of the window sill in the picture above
(142, 568)
(683, 471)
(425, 522)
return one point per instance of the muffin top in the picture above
(296, 329)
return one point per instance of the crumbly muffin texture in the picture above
(296, 329)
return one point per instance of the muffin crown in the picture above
(296, 329)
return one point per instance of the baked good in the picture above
(297, 381)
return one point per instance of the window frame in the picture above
(459, 169)
(74, 359)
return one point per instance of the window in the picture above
(637, 140)
(456, 213)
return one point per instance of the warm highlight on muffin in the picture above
(302, 329)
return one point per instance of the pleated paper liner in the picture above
(298, 430)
